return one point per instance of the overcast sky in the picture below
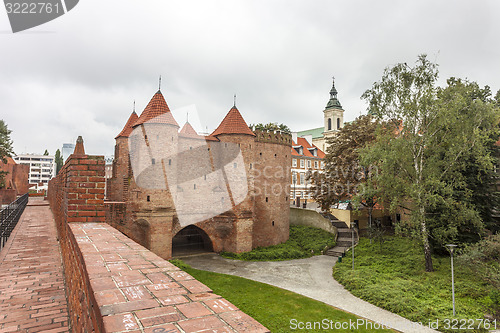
(79, 74)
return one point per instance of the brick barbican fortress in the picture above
(175, 191)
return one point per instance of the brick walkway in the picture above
(32, 296)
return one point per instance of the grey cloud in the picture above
(82, 77)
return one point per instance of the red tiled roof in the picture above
(233, 123)
(305, 145)
(127, 129)
(156, 111)
(188, 131)
(210, 138)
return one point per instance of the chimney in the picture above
(294, 137)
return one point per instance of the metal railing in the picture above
(10, 216)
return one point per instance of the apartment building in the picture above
(42, 168)
(306, 157)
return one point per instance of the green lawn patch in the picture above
(304, 242)
(273, 307)
(392, 276)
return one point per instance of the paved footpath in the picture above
(311, 277)
(32, 295)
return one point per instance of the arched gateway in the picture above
(190, 240)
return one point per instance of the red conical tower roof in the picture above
(188, 130)
(233, 123)
(156, 111)
(127, 129)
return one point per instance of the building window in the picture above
(148, 198)
(338, 123)
(235, 165)
(294, 162)
(309, 164)
(294, 177)
(329, 124)
(315, 164)
(153, 161)
(169, 162)
(302, 178)
(301, 163)
(273, 223)
(267, 199)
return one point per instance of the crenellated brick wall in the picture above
(114, 284)
(77, 195)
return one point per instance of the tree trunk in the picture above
(425, 240)
(370, 211)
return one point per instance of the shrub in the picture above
(393, 277)
(304, 242)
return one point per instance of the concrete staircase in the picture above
(344, 237)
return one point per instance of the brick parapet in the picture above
(129, 288)
(76, 194)
(276, 137)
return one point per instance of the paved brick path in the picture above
(32, 296)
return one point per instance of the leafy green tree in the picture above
(474, 178)
(343, 177)
(5, 148)
(272, 127)
(421, 156)
(59, 161)
(46, 153)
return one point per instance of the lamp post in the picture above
(294, 179)
(451, 248)
(353, 225)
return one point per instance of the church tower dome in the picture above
(333, 115)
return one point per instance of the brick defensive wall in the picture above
(114, 284)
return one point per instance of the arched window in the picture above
(338, 123)
(329, 124)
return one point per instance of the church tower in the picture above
(333, 116)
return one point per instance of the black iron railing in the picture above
(10, 216)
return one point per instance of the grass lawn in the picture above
(273, 307)
(392, 276)
(304, 242)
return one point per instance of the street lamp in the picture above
(451, 248)
(353, 225)
(294, 179)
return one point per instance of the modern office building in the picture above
(67, 149)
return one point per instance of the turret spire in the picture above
(333, 102)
